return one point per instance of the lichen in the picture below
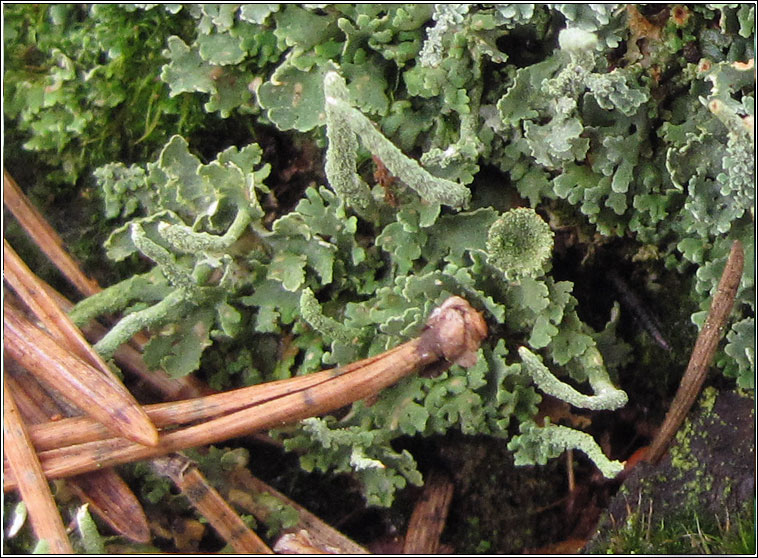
(519, 243)
(592, 115)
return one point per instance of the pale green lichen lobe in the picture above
(576, 40)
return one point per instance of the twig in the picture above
(75, 379)
(453, 333)
(79, 430)
(634, 304)
(210, 504)
(428, 518)
(702, 354)
(44, 236)
(32, 483)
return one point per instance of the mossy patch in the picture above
(707, 477)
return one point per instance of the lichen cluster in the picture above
(634, 128)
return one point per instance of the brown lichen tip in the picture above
(454, 331)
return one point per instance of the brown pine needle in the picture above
(428, 518)
(31, 290)
(112, 500)
(83, 385)
(129, 358)
(44, 236)
(453, 334)
(210, 504)
(32, 483)
(105, 491)
(322, 537)
(702, 354)
(79, 430)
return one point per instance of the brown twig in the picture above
(83, 385)
(44, 236)
(453, 334)
(32, 483)
(79, 430)
(702, 354)
(210, 504)
(429, 516)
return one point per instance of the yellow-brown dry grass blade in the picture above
(44, 236)
(210, 504)
(105, 491)
(32, 483)
(83, 385)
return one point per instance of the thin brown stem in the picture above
(702, 354)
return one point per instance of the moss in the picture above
(682, 505)
(685, 533)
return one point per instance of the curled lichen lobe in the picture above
(454, 331)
